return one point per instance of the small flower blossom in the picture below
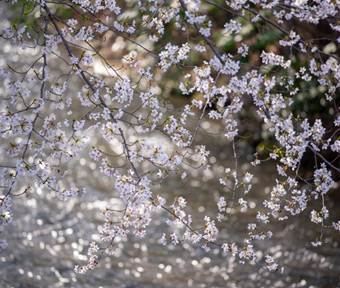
(173, 239)
(336, 225)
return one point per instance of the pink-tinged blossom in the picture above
(233, 27)
(322, 180)
(316, 243)
(164, 239)
(316, 217)
(3, 244)
(271, 58)
(78, 125)
(229, 248)
(271, 265)
(243, 204)
(337, 121)
(124, 92)
(210, 230)
(290, 40)
(74, 59)
(262, 217)
(243, 50)
(109, 130)
(200, 48)
(87, 60)
(335, 147)
(64, 194)
(222, 204)
(12, 149)
(95, 154)
(173, 239)
(6, 215)
(246, 254)
(336, 225)
(139, 233)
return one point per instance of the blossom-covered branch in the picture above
(101, 85)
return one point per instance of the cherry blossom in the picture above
(130, 60)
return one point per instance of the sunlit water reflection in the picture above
(49, 237)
